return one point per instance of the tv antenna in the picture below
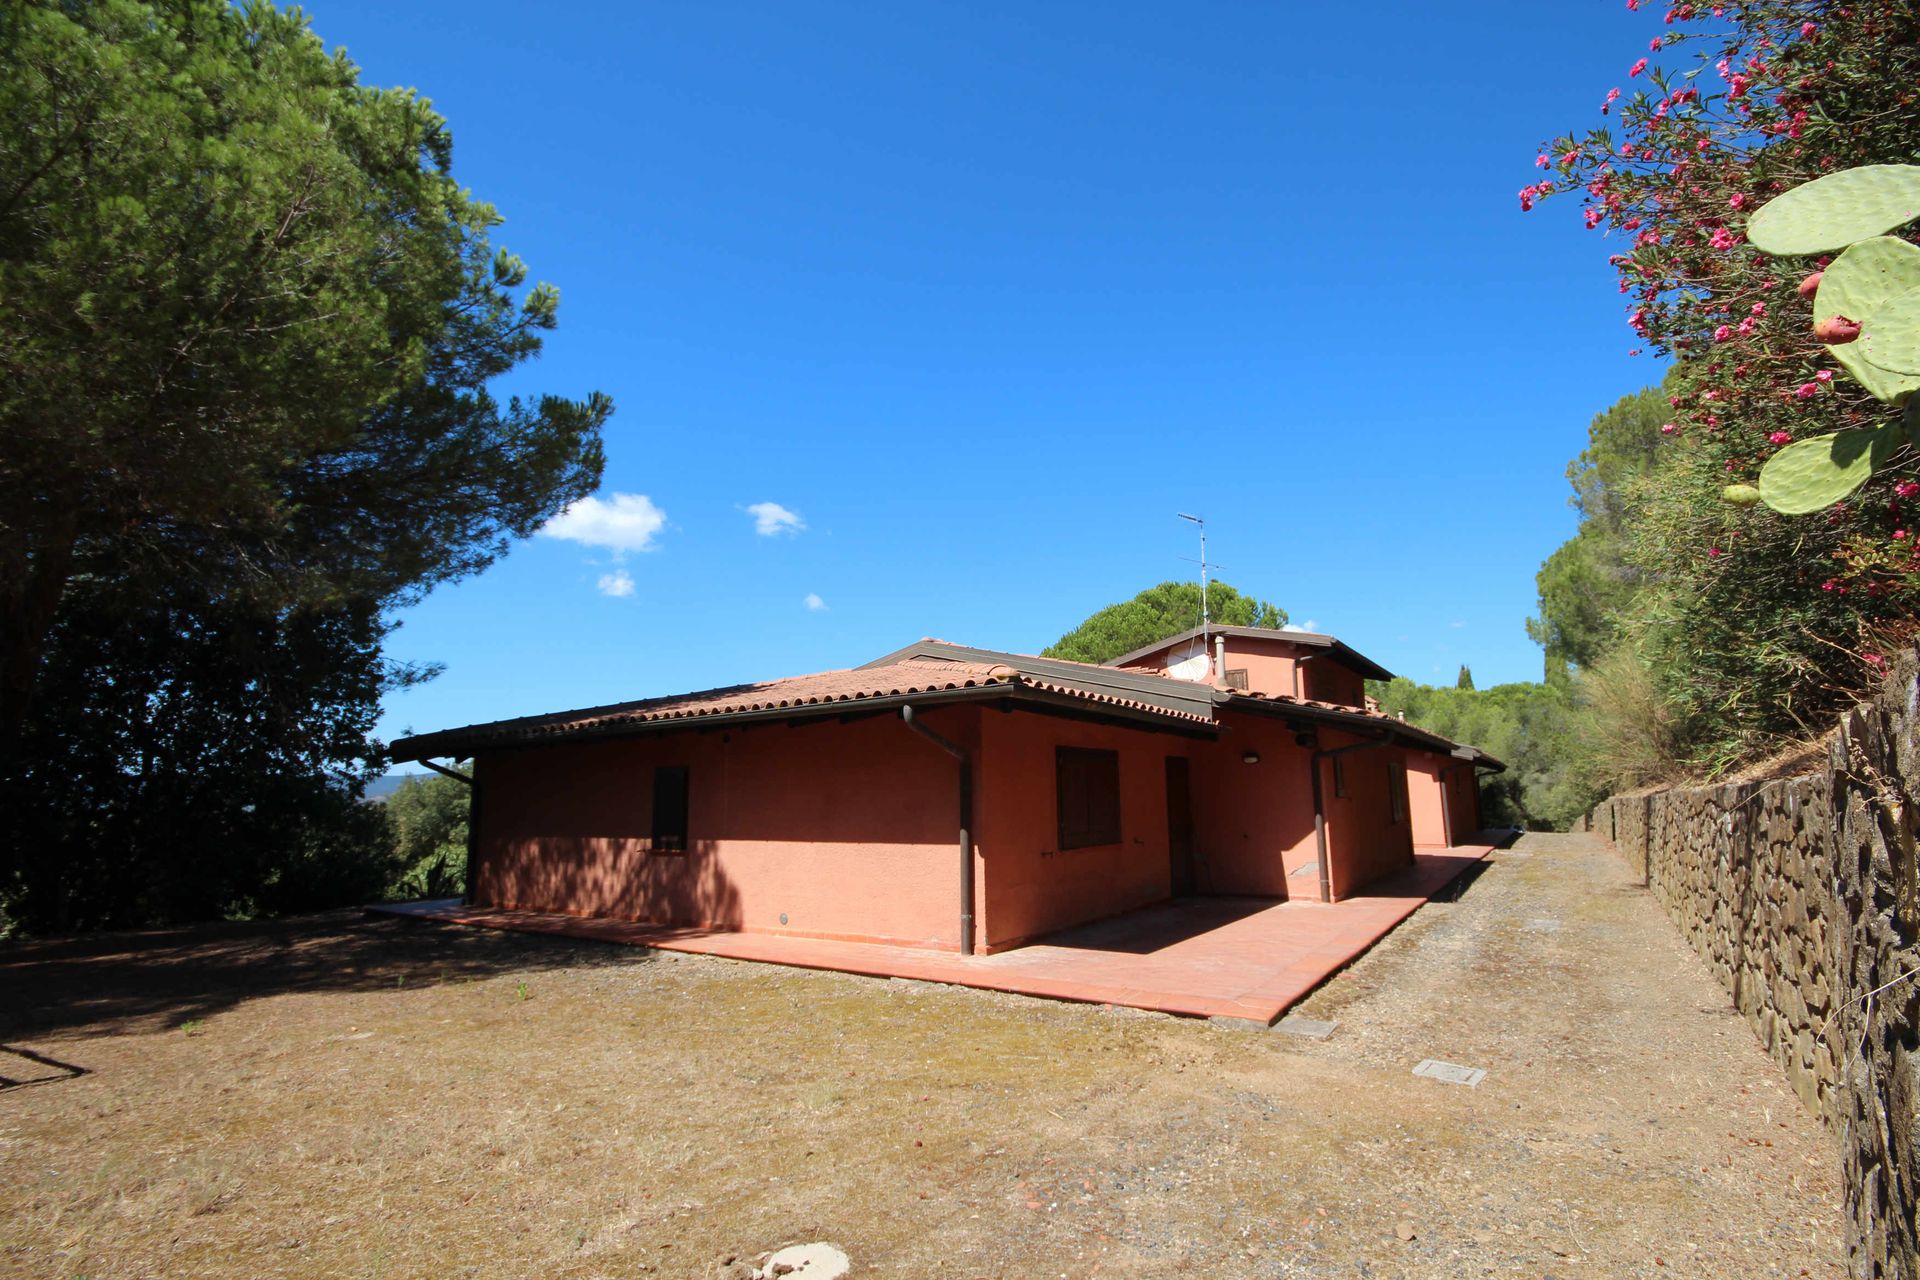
(1205, 618)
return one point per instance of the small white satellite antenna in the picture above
(1206, 617)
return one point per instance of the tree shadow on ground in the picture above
(154, 980)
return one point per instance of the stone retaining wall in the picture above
(1803, 895)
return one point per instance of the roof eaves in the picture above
(630, 719)
(1152, 689)
(1341, 651)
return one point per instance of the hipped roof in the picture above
(935, 671)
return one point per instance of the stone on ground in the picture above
(817, 1261)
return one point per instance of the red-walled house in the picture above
(957, 798)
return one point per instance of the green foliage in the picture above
(1890, 334)
(1834, 211)
(1875, 286)
(1156, 613)
(250, 323)
(1465, 680)
(1749, 627)
(1811, 475)
(1587, 586)
(1860, 281)
(1530, 727)
(195, 759)
(428, 817)
(249, 315)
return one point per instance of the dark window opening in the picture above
(670, 809)
(1087, 784)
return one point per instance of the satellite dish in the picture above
(1193, 667)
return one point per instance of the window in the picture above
(1397, 788)
(670, 809)
(1087, 784)
(1237, 678)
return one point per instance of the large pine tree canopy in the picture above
(1156, 613)
(250, 322)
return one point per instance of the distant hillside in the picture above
(380, 788)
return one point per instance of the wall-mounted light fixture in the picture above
(1250, 757)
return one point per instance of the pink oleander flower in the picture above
(1907, 488)
(1723, 238)
(1668, 429)
(1737, 200)
(1806, 390)
(1722, 333)
(1807, 30)
(1637, 68)
(1780, 437)
(1825, 375)
(1899, 535)
(1757, 309)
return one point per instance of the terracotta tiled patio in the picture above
(1239, 958)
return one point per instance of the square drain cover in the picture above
(1450, 1073)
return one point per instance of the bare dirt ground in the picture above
(345, 1097)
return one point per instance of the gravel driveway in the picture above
(342, 1097)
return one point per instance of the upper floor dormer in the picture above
(1290, 664)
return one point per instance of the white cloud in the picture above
(1456, 625)
(1309, 625)
(625, 522)
(814, 603)
(618, 583)
(770, 519)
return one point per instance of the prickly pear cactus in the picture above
(1890, 334)
(1834, 211)
(1856, 285)
(1741, 495)
(1811, 475)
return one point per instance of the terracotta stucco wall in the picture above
(1269, 667)
(1428, 777)
(1031, 886)
(1253, 823)
(850, 830)
(1364, 839)
(1428, 774)
(1465, 805)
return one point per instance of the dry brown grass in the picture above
(361, 1098)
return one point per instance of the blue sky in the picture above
(985, 294)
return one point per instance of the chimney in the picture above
(1220, 659)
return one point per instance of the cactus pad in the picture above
(1890, 337)
(1858, 283)
(1834, 211)
(1810, 475)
